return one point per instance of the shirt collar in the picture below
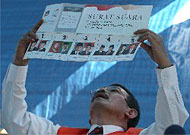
(107, 129)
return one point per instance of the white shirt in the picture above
(17, 121)
(107, 129)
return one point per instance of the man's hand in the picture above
(23, 45)
(156, 50)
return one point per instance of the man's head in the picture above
(102, 47)
(132, 40)
(78, 47)
(133, 46)
(42, 44)
(114, 105)
(111, 48)
(65, 45)
(56, 45)
(124, 47)
(33, 44)
(88, 47)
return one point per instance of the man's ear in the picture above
(131, 113)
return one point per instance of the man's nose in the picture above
(104, 89)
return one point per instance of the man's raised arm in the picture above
(169, 106)
(14, 116)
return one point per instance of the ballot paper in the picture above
(79, 32)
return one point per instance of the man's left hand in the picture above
(156, 50)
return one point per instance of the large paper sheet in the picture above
(123, 20)
(73, 32)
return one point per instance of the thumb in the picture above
(148, 49)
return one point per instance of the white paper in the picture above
(50, 17)
(116, 21)
(73, 32)
(69, 19)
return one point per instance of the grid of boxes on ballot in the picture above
(73, 32)
(83, 47)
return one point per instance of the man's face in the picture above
(88, 48)
(101, 48)
(132, 40)
(65, 46)
(110, 48)
(111, 99)
(78, 48)
(133, 46)
(33, 44)
(42, 45)
(124, 47)
(56, 45)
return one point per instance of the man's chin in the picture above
(99, 101)
(99, 105)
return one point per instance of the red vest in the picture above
(80, 131)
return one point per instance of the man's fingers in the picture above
(142, 31)
(23, 44)
(147, 36)
(29, 39)
(148, 49)
(32, 35)
(26, 39)
(36, 27)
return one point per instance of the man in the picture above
(100, 51)
(123, 49)
(113, 109)
(87, 49)
(132, 48)
(78, 49)
(55, 48)
(42, 46)
(65, 47)
(33, 46)
(110, 50)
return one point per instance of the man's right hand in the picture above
(23, 45)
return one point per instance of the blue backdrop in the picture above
(60, 90)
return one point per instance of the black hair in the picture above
(132, 103)
(112, 46)
(103, 46)
(79, 44)
(123, 45)
(89, 44)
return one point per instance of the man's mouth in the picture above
(100, 95)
